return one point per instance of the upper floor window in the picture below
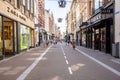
(23, 2)
(98, 4)
(29, 4)
(18, 3)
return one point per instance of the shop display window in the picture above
(24, 37)
(7, 32)
(8, 36)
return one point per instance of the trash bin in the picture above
(116, 49)
(113, 50)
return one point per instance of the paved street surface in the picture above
(60, 62)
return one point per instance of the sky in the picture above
(58, 12)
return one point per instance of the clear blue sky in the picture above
(52, 5)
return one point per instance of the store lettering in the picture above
(15, 13)
(107, 11)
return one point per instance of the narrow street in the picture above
(57, 62)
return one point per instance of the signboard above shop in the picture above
(106, 11)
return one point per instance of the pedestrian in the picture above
(44, 43)
(47, 43)
(73, 44)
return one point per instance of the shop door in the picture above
(8, 36)
(103, 39)
(108, 40)
(97, 39)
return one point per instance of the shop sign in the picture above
(107, 11)
(15, 13)
(96, 18)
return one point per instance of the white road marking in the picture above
(102, 64)
(67, 62)
(70, 71)
(31, 67)
(62, 50)
(65, 57)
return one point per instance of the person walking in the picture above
(73, 44)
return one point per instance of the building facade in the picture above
(36, 23)
(98, 30)
(49, 24)
(96, 23)
(84, 9)
(73, 20)
(41, 20)
(52, 26)
(16, 26)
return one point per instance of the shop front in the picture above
(99, 31)
(16, 31)
(8, 36)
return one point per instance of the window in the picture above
(98, 4)
(18, 3)
(28, 4)
(32, 3)
(23, 2)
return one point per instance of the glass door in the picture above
(8, 36)
(103, 39)
(97, 39)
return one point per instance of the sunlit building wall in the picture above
(86, 8)
(73, 19)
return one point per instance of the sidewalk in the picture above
(12, 67)
(102, 57)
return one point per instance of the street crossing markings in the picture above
(102, 64)
(31, 67)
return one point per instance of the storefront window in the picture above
(103, 39)
(8, 35)
(84, 37)
(1, 41)
(93, 39)
(24, 37)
